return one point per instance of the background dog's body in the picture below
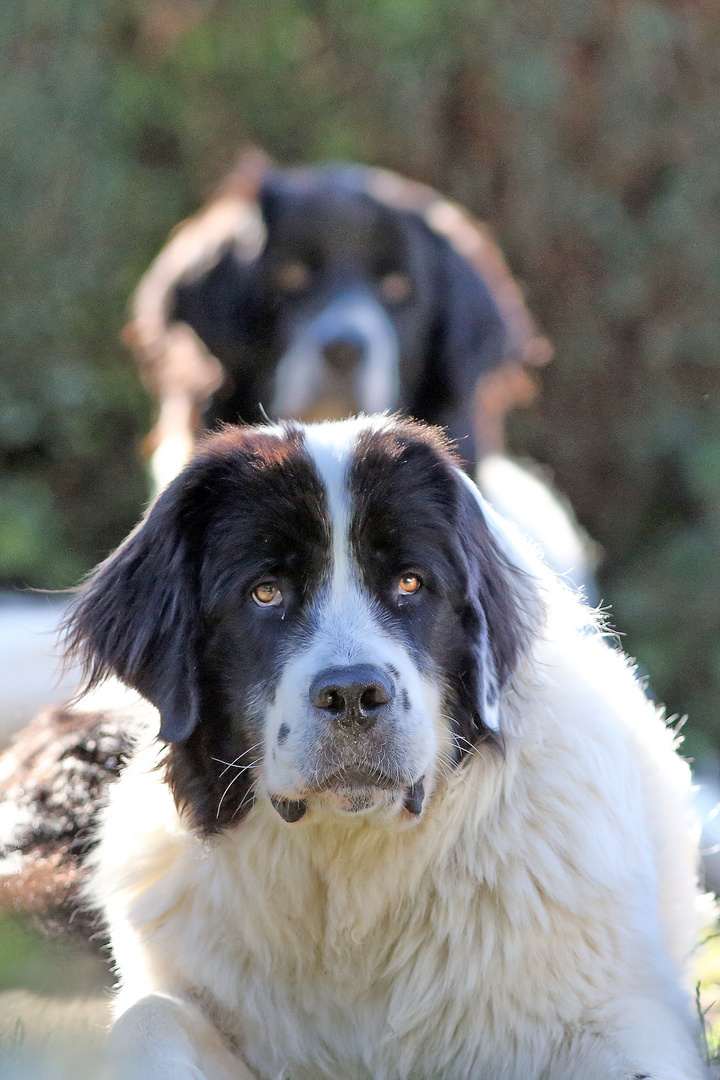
(530, 919)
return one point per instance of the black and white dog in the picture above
(414, 817)
(317, 293)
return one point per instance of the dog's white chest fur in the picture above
(519, 900)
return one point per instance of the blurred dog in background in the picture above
(317, 293)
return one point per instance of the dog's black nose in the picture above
(352, 696)
(344, 352)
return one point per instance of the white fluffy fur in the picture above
(534, 924)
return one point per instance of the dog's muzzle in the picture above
(349, 350)
(356, 763)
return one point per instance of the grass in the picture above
(30, 961)
(707, 973)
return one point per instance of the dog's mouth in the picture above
(354, 791)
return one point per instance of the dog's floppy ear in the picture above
(504, 608)
(138, 616)
(189, 309)
(484, 320)
(193, 284)
(472, 338)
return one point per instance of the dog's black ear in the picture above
(202, 281)
(138, 616)
(218, 305)
(482, 318)
(472, 335)
(502, 608)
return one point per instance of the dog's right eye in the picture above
(267, 595)
(293, 276)
(409, 584)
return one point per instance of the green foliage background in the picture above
(584, 131)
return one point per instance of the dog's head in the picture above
(321, 616)
(332, 290)
(359, 300)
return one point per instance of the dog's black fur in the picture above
(170, 613)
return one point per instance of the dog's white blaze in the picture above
(348, 630)
(331, 456)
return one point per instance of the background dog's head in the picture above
(320, 615)
(327, 291)
(351, 304)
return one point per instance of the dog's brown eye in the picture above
(267, 595)
(408, 584)
(293, 276)
(395, 288)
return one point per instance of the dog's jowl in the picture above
(408, 815)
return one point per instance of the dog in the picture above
(409, 815)
(319, 292)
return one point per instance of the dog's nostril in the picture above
(373, 698)
(332, 700)
(353, 695)
(343, 353)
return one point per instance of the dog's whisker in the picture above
(470, 748)
(249, 794)
(254, 764)
(233, 764)
(453, 772)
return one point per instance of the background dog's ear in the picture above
(483, 322)
(476, 271)
(504, 608)
(472, 337)
(474, 267)
(188, 311)
(194, 281)
(138, 617)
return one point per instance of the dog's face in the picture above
(348, 285)
(351, 305)
(319, 614)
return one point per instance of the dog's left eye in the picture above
(293, 276)
(267, 595)
(395, 287)
(408, 584)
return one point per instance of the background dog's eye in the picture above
(395, 287)
(293, 276)
(267, 595)
(408, 584)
